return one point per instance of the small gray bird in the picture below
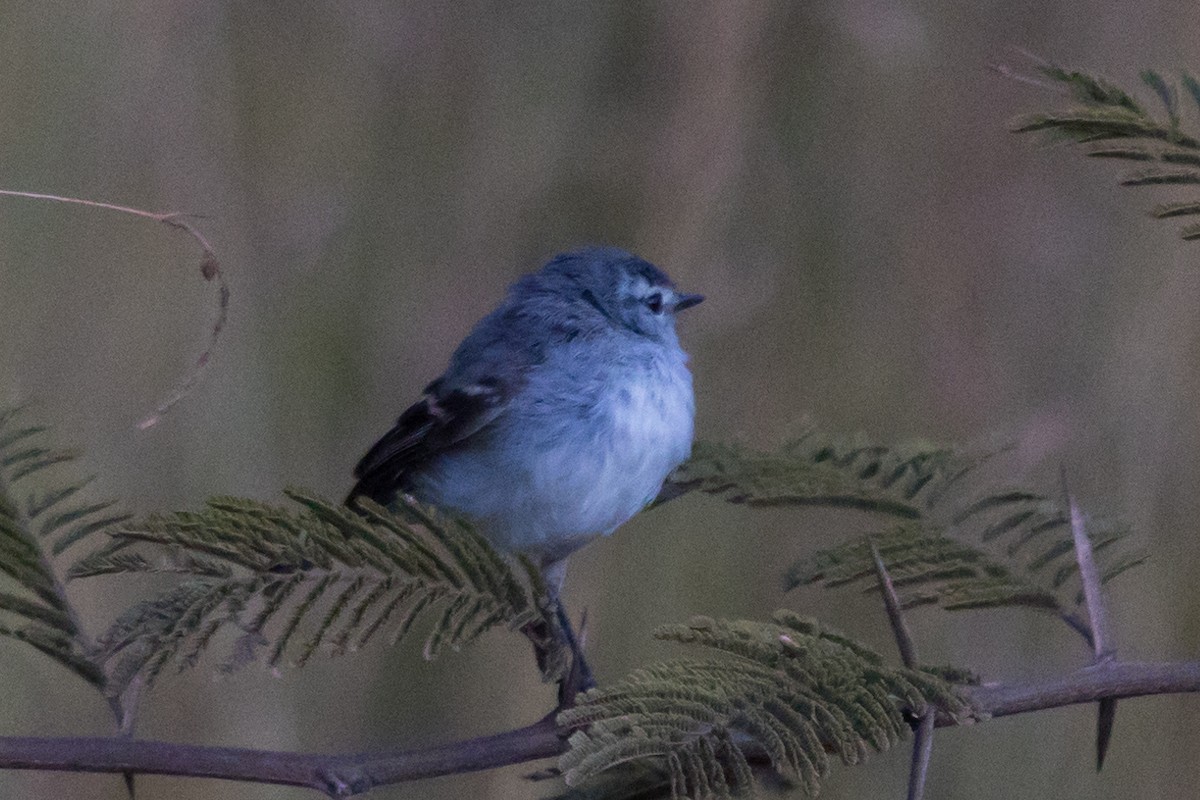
(560, 414)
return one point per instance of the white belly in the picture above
(547, 485)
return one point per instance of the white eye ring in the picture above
(655, 303)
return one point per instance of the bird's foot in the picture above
(579, 677)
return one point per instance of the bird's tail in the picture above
(372, 490)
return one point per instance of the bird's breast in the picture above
(570, 463)
(649, 416)
(639, 429)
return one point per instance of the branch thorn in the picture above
(891, 601)
(1093, 596)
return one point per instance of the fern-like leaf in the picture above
(927, 567)
(948, 543)
(814, 471)
(294, 580)
(1110, 124)
(40, 518)
(787, 691)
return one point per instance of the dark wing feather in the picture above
(439, 421)
(469, 396)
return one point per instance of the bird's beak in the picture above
(687, 301)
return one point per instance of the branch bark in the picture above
(343, 775)
(339, 775)
(1111, 681)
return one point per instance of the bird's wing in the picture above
(443, 418)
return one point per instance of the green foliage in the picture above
(813, 470)
(787, 693)
(41, 517)
(1110, 123)
(936, 569)
(1031, 563)
(293, 580)
(946, 543)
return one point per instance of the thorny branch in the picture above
(343, 775)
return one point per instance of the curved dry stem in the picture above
(210, 270)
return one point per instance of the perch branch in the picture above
(335, 775)
(344, 775)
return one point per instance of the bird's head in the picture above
(628, 291)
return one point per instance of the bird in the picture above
(559, 416)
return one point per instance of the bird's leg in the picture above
(579, 676)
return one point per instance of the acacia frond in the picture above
(40, 518)
(293, 581)
(927, 567)
(1006, 549)
(813, 470)
(949, 544)
(788, 688)
(1111, 124)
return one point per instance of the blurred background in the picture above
(879, 254)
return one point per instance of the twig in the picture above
(349, 774)
(922, 750)
(923, 738)
(210, 270)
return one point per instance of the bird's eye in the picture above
(655, 303)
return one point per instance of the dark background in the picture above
(878, 252)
